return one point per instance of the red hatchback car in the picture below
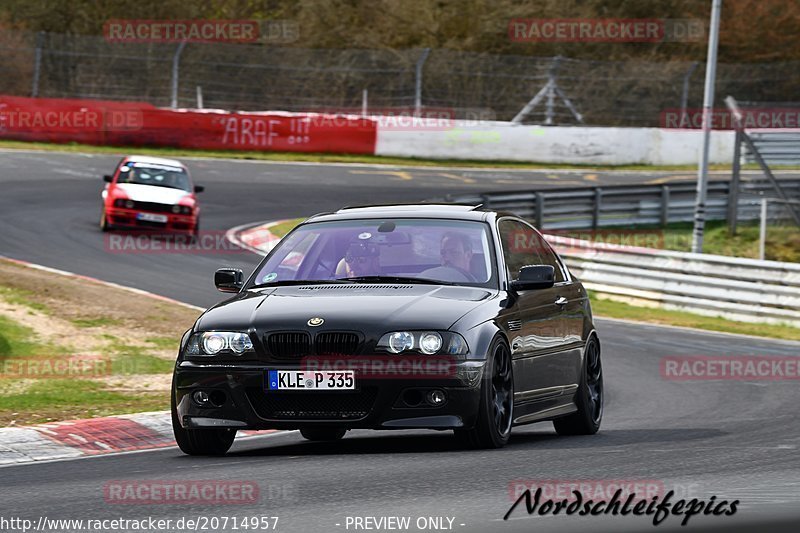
(150, 193)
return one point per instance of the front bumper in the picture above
(126, 218)
(242, 401)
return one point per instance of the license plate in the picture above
(150, 217)
(311, 380)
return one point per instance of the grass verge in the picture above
(333, 158)
(71, 348)
(783, 242)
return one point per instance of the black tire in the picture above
(496, 408)
(104, 225)
(200, 441)
(589, 398)
(322, 433)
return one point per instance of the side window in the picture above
(519, 247)
(549, 258)
(523, 246)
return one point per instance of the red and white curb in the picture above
(94, 436)
(255, 237)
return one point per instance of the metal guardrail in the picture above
(735, 288)
(740, 289)
(627, 205)
(777, 148)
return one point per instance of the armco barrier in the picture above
(140, 124)
(735, 288)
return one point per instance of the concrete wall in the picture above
(575, 145)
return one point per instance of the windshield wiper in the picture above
(397, 279)
(287, 282)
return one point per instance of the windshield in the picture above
(157, 175)
(447, 251)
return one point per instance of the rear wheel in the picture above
(323, 434)
(495, 412)
(200, 441)
(589, 398)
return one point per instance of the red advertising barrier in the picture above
(141, 124)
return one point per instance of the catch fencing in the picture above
(471, 85)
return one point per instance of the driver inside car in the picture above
(456, 258)
(361, 259)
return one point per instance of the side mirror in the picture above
(229, 279)
(108, 179)
(534, 277)
(199, 188)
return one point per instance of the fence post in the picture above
(37, 64)
(685, 95)
(176, 60)
(598, 200)
(364, 104)
(762, 233)
(418, 80)
(733, 187)
(664, 215)
(539, 210)
(199, 92)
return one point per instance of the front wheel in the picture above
(104, 225)
(496, 409)
(200, 441)
(589, 398)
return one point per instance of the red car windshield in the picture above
(448, 251)
(159, 176)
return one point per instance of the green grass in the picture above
(163, 343)
(783, 242)
(51, 399)
(280, 230)
(95, 322)
(17, 340)
(25, 298)
(128, 359)
(332, 158)
(613, 309)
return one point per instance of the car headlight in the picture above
(218, 342)
(426, 342)
(430, 343)
(182, 209)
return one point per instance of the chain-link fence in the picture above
(472, 85)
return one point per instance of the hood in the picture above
(152, 193)
(368, 308)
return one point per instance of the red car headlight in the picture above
(182, 209)
(124, 202)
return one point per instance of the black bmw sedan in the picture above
(444, 317)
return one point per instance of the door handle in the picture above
(561, 301)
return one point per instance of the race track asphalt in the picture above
(732, 439)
